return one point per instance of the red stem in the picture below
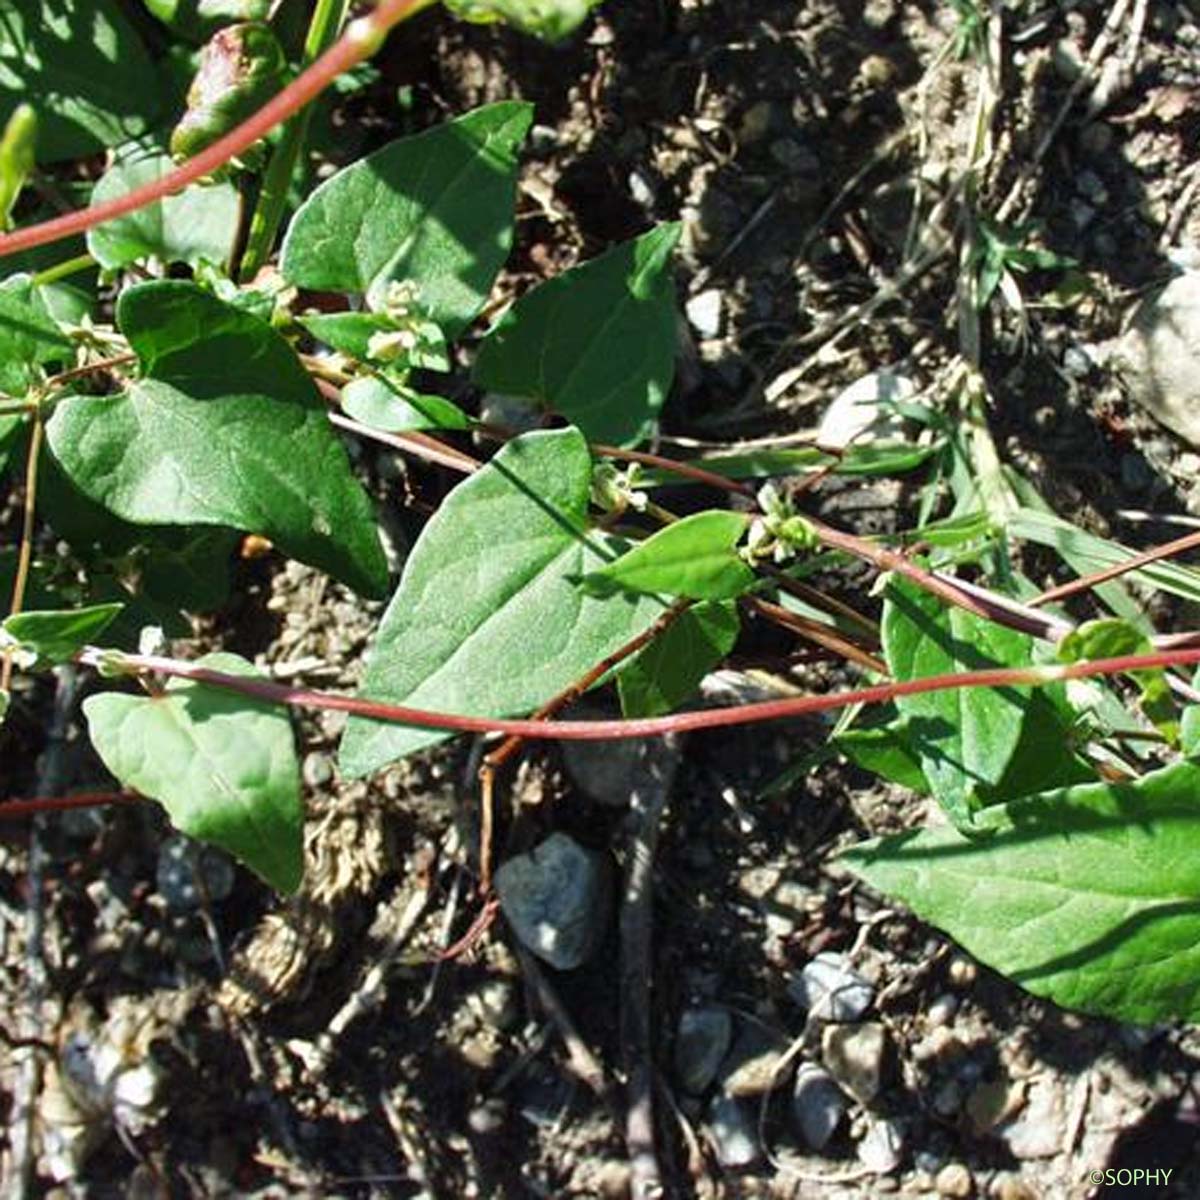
(745, 714)
(24, 808)
(359, 42)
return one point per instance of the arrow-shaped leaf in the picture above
(695, 558)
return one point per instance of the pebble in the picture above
(818, 1105)
(962, 971)
(860, 413)
(701, 1044)
(613, 773)
(704, 311)
(854, 1055)
(734, 1135)
(1038, 1131)
(641, 188)
(751, 1066)
(941, 1011)
(317, 769)
(954, 1180)
(882, 1146)
(179, 861)
(1076, 362)
(488, 1117)
(1159, 356)
(831, 990)
(556, 899)
(992, 1102)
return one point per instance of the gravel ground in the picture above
(806, 1040)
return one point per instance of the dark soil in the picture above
(800, 144)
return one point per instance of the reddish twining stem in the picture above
(1085, 583)
(360, 41)
(745, 714)
(40, 804)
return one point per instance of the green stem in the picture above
(62, 270)
(327, 20)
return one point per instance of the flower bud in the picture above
(241, 68)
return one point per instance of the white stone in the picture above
(1159, 355)
(704, 312)
(859, 414)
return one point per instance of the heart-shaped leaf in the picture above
(488, 619)
(434, 211)
(223, 765)
(596, 343)
(1089, 896)
(225, 428)
(198, 224)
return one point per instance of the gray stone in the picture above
(1159, 356)
(734, 1135)
(853, 1055)
(704, 312)
(189, 874)
(818, 1105)
(831, 990)
(556, 899)
(882, 1146)
(700, 1045)
(613, 773)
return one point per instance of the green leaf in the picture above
(17, 158)
(884, 746)
(1088, 896)
(488, 619)
(56, 636)
(198, 224)
(549, 19)
(1112, 637)
(435, 210)
(878, 458)
(384, 405)
(84, 70)
(197, 20)
(1084, 553)
(222, 764)
(667, 672)
(596, 343)
(964, 737)
(695, 557)
(224, 429)
(240, 69)
(29, 338)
